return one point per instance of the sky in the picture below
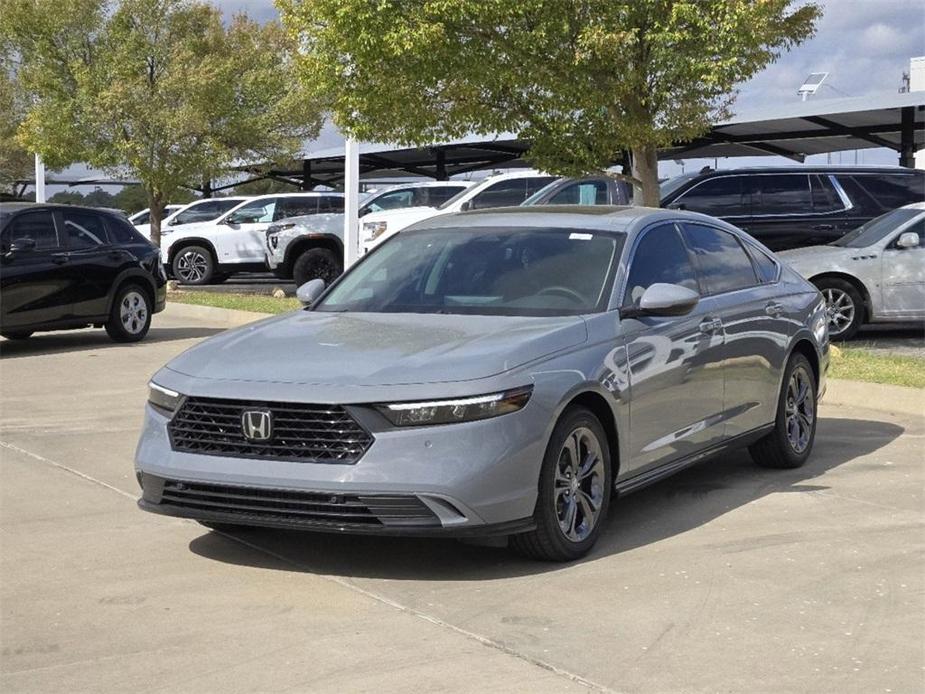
(865, 45)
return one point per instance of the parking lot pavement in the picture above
(725, 577)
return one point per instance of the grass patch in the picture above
(238, 302)
(857, 364)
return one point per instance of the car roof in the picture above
(915, 206)
(599, 217)
(804, 168)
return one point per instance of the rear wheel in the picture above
(574, 491)
(130, 316)
(844, 307)
(317, 263)
(790, 443)
(193, 265)
(17, 335)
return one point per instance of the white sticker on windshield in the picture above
(580, 237)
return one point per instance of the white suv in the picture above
(141, 220)
(502, 190)
(206, 252)
(204, 210)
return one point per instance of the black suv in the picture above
(64, 267)
(789, 207)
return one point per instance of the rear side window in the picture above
(720, 197)
(330, 203)
(38, 226)
(893, 190)
(437, 195)
(660, 257)
(509, 193)
(84, 229)
(122, 232)
(295, 207)
(781, 194)
(581, 193)
(825, 197)
(723, 264)
(764, 265)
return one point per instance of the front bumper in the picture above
(474, 478)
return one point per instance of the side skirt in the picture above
(644, 479)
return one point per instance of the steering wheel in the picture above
(563, 291)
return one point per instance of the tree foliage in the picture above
(159, 90)
(582, 79)
(16, 162)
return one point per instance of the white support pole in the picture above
(351, 202)
(39, 179)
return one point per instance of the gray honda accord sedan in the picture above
(505, 372)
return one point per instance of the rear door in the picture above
(781, 211)
(34, 287)
(675, 363)
(756, 324)
(94, 261)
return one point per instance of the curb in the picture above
(873, 396)
(224, 317)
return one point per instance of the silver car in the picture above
(874, 274)
(494, 372)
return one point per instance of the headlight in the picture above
(373, 230)
(163, 399)
(413, 414)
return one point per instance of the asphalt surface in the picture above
(726, 577)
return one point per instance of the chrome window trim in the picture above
(846, 201)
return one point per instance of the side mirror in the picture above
(663, 300)
(309, 292)
(25, 245)
(907, 239)
(467, 205)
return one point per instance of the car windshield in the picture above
(874, 230)
(672, 184)
(507, 272)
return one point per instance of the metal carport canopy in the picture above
(892, 120)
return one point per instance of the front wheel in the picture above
(790, 443)
(317, 263)
(574, 490)
(130, 316)
(844, 307)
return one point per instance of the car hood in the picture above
(375, 349)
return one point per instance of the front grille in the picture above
(301, 432)
(295, 507)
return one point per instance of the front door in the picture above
(675, 364)
(34, 289)
(903, 272)
(241, 235)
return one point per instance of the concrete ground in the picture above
(726, 577)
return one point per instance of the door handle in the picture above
(710, 325)
(774, 309)
(59, 259)
(824, 227)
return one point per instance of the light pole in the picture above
(39, 179)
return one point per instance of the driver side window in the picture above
(660, 256)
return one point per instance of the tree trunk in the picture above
(645, 170)
(156, 209)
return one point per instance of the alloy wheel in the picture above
(839, 310)
(799, 410)
(579, 484)
(133, 312)
(191, 266)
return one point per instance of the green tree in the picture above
(158, 90)
(264, 187)
(582, 79)
(15, 162)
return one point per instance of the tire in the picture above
(785, 448)
(219, 278)
(844, 307)
(17, 335)
(193, 265)
(130, 315)
(565, 540)
(317, 263)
